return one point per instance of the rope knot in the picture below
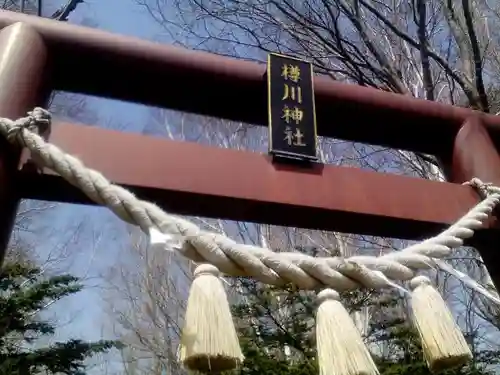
(41, 119)
(418, 281)
(38, 121)
(483, 188)
(327, 294)
(206, 269)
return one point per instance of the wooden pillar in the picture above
(474, 155)
(23, 57)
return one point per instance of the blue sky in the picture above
(100, 234)
(124, 17)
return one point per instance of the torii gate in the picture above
(45, 55)
(39, 55)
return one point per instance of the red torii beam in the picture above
(194, 179)
(198, 180)
(161, 75)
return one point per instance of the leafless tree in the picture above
(145, 298)
(37, 7)
(220, 133)
(436, 50)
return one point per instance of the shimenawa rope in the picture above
(209, 340)
(245, 260)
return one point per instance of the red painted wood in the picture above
(22, 61)
(475, 155)
(189, 178)
(162, 75)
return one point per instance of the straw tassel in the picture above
(443, 343)
(341, 350)
(209, 341)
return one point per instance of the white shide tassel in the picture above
(341, 350)
(443, 343)
(209, 340)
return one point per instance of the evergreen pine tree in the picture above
(23, 295)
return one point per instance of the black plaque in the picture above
(292, 118)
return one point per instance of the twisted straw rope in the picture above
(235, 259)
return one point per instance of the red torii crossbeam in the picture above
(198, 180)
